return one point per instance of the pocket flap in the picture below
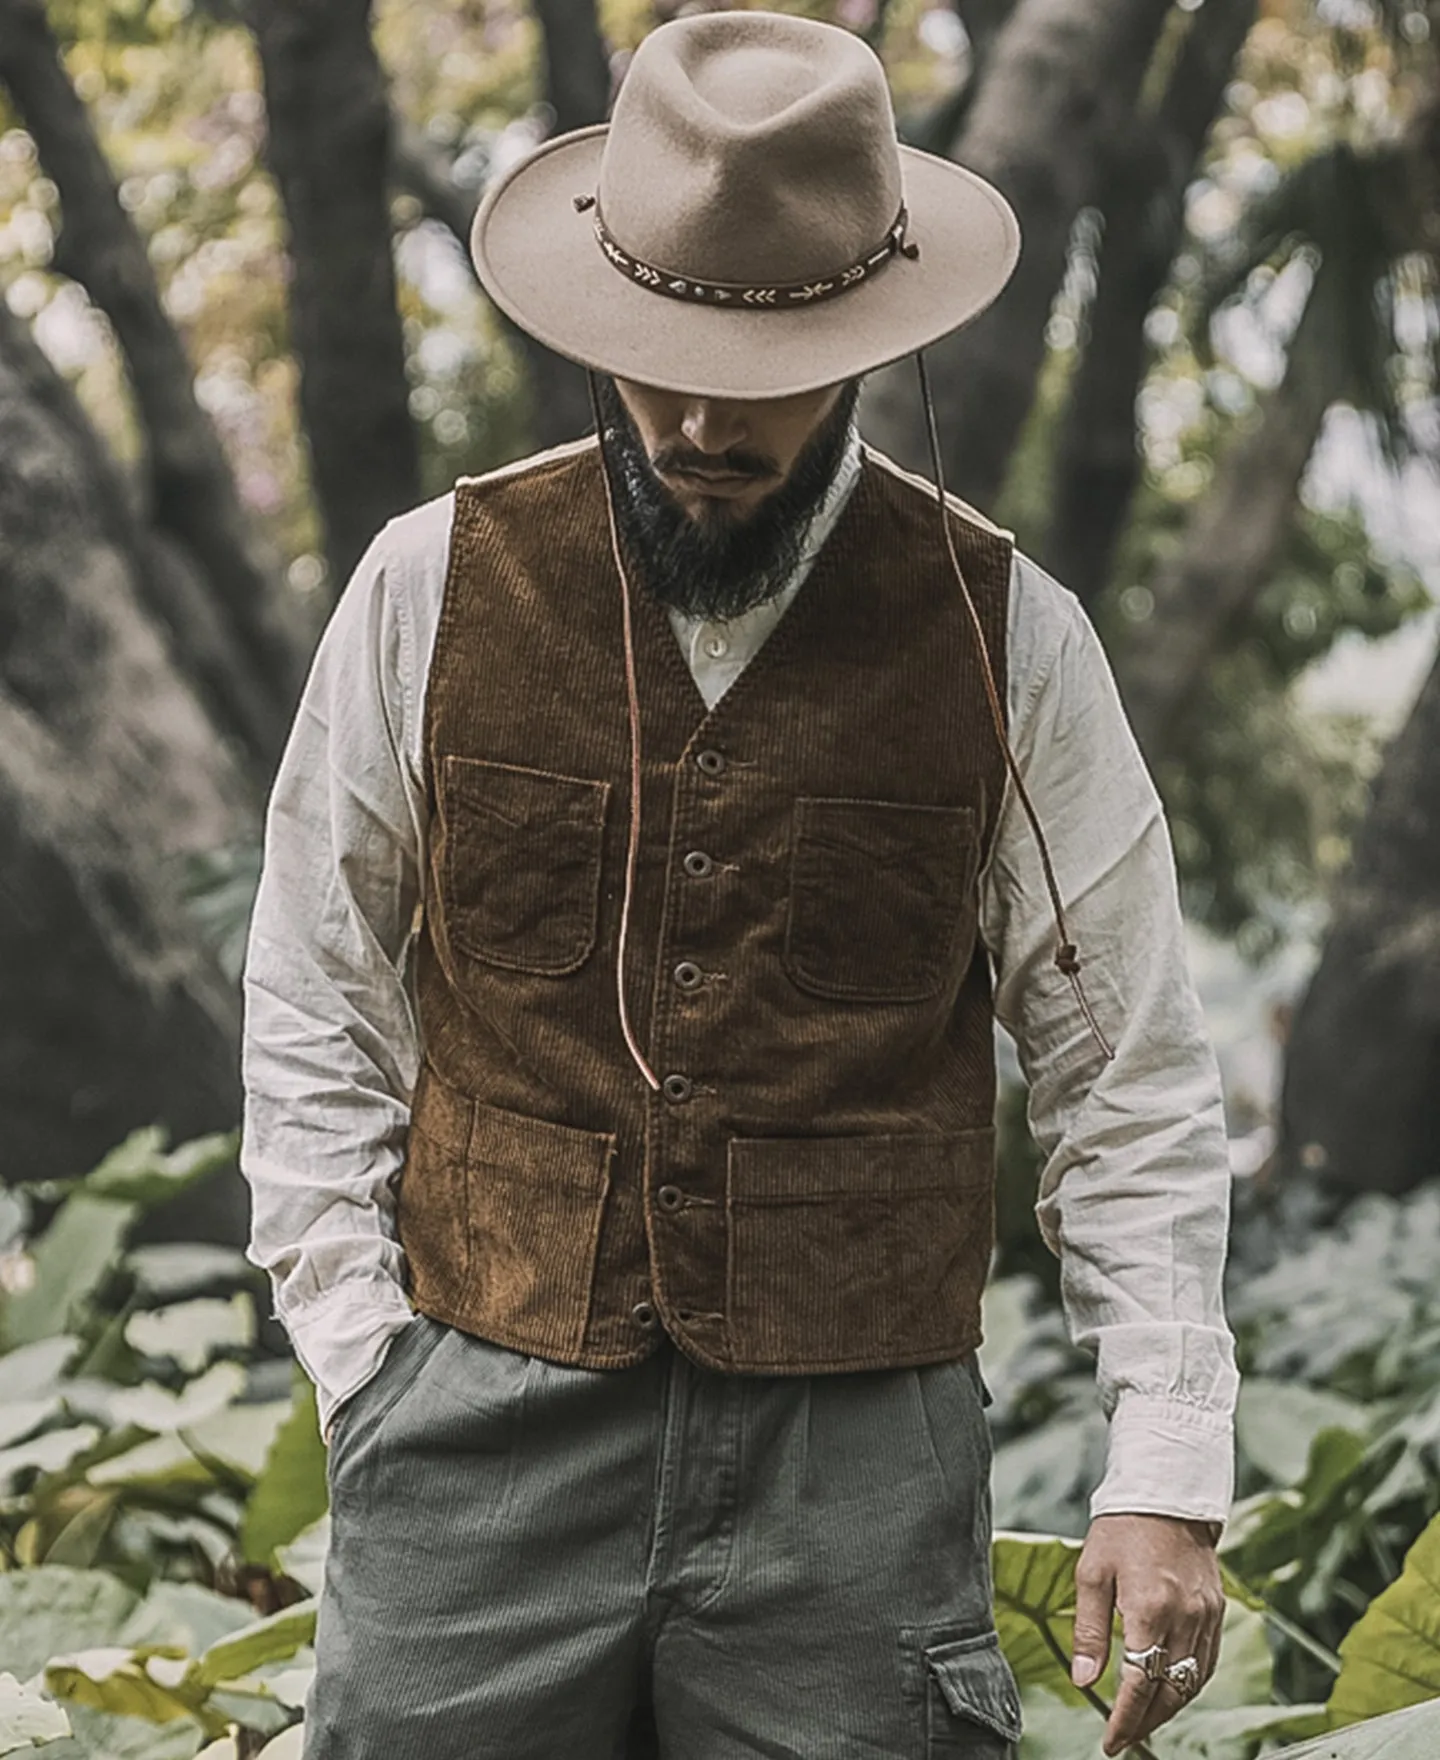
(975, 1680)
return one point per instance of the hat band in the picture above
(773, 296)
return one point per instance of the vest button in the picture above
(698, 865)
(677, 1089)
(688, 975)
(670, 1197)
(711, 762)
(644, 1315)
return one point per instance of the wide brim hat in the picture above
(747, 224)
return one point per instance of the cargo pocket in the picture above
(971, 1700)
(882, 899)
(518, 855)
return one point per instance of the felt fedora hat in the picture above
(746, 225)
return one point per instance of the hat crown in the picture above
(751, 147)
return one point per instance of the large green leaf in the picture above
(26, 1720)
(1034, 1578)
(52, 1609)
(1413, 1734)
(291, 1491)
(1390, 1657)
(34, 1371)
(71, 1258)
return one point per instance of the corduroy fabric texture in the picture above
(530, 1561)
(812, 1188)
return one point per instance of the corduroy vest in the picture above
(812, 1189)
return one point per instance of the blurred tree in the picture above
(1146, 169)
(1371, 217)
(1062, 78)
(329, 149)
(1361, 1105)
(247, 661)
(109, 763)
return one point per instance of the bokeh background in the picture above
(239, 330)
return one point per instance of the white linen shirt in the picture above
(1134, 1191)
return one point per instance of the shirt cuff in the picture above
(1168, 1458)
(341, 1335)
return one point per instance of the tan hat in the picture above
(747, 225)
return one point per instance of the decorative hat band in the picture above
(761, 298)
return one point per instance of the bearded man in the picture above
(667, 821)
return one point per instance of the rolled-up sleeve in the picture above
(330, 1045)
(1135, 1186)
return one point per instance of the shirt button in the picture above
(670, 1197)
(677, 1089)
(688, 975)
(698, 865)
(711, 762)
(644, 1316)
(717, 646)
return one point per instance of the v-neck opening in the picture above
(657, 624)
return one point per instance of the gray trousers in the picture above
(530, 1562)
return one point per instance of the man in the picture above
(619, 1054)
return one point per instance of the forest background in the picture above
(239, 330)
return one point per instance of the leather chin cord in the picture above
(1066, 956)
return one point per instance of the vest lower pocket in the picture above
(518, 854)
(856, 1252)
(509, 1252)
(882, 899)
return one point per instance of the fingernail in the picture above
(1084, 1670)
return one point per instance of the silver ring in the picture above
(1184, 1676)
(1150, 1662)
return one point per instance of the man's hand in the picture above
(1162, 1574)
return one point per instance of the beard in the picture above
(719, 565)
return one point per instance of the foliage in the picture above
(158, 1490)
(1391, 1655)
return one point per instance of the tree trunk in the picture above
(1360, 1109)
(255, 653)
(329, 148)
(1232, 539)
(1097, 460)
(1063, 78)
(110, 768)
(577, 88)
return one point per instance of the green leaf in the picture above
(1035, 1609)
(1277, 1421)
(170, 1270)
(304, 1558)
(1232, 1732)
(71, 1259)
(275, 1639)
(1390, 1657)
(51, 1609)
(291, 1491)
(139, 1171)
(156, 1408)
(1413, 1734)
(34, 1371)
(120, 1681)
(27, 1720)
(185, 1616)
(192, 1332)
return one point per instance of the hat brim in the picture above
(539, 260)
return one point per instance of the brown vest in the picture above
(813, 1187)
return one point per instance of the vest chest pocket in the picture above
(520, 864)
(882, 898)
